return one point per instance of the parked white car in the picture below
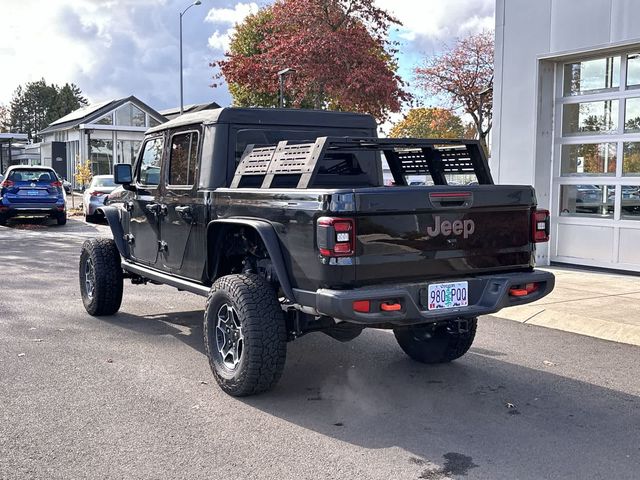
(94, 196)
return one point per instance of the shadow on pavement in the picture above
(482, 411)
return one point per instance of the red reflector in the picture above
(518, 292)
(362, 306)
(449, 194)
(325, 252)
(390, 307)
(531, 287)
(342, 248)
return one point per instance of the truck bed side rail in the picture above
(260, 165)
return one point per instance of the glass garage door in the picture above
(596, 181)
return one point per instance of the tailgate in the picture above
(414, 233)
(32, 192)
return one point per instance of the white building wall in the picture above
(533, 38)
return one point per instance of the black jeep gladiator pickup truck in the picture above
(282, 220)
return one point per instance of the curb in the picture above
(569, 322)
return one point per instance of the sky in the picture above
(116, 48)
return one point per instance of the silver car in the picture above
(95, 194)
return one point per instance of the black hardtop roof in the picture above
(272, 116)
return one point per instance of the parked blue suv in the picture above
(32, 191)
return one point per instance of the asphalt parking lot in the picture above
(132, 396)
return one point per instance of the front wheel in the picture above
(244, 334)
(437, 343)
(101, 280)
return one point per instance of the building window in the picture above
(106, 120)
(592, 76)
(597, 142)
(587, 200)
(153, 122)
(630, 203)
(127, 151)
(129, 115)
(589, 159)
(633, 70)
(183, 158)
(590, 117)
(631, 158)
(101, 156)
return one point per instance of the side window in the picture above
(149, 171)
(183, 159)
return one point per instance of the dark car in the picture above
(32, 192)
(280, 219)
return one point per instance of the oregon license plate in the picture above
(32, 193)
(448, 295)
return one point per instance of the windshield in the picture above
(103, 182)
(28, 175)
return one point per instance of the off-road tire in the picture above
(264, 351)
(441, 344)
(107, 276)
(62, 218)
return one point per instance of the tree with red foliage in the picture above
(338, 48)
(464, 74)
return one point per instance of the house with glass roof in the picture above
(102, 133)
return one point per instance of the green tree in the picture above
(429, 123)
(5, 119)
(36, 104)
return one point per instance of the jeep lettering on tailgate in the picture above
(446, 228)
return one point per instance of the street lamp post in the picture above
(281, 75)
(197, 2)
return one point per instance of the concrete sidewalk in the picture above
(597, 304)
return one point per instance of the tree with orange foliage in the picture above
(429, 123)
(463, 74)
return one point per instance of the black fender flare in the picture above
(112, 214)
(271, 242)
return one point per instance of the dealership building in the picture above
(101, 133)
(567, 120)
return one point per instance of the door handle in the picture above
(185, 212)
(153, 208)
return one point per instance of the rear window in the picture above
(335, 169)
(103, 182)
(28, 175)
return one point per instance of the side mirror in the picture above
(122, 174)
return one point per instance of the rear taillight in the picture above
(7, 184)
(540, 226)
(336, 237)
(56, 184)
(95, 193)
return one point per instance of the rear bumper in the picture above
(487, 294)
(31, 209)
(92, 206)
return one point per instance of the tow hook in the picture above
(459, 326)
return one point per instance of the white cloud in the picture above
(231, 16)
(220, 39)
(429, 22)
